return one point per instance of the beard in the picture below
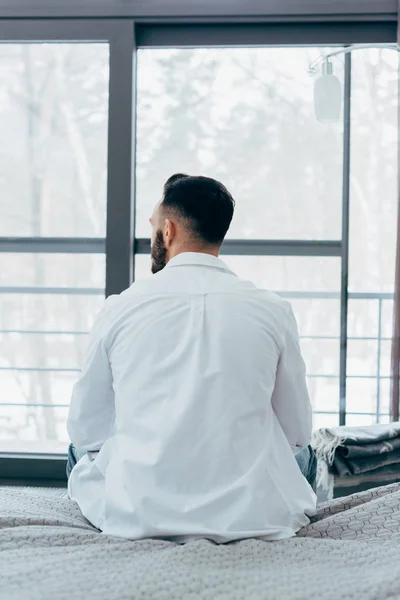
(158, 254)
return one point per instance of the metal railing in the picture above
(380, 298)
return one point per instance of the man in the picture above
(192, 402)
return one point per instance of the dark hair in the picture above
(204, 202)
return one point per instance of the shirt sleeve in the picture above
(290, 399)
(92, 410)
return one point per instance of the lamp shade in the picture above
(327, 98)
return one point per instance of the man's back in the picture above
(208, 395)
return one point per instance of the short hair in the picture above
(203, 202)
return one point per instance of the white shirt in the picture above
(194, 392)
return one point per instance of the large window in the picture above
(95, 115)
(246, 116)
(53, 129)
(53, 176)
(43, 330)
(373, 210)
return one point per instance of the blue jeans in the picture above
(73, 456)
(306, 460)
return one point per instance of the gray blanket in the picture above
(344, 465)
(364, 449)
(48, 551)
(350, 451)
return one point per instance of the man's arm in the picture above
(290, 399)
(92, 411)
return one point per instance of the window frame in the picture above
(118, 242)
(125, 37)
(371, 10)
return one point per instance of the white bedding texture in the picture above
(349, 550)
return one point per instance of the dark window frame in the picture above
(178, 10)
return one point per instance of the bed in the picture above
(48, 551)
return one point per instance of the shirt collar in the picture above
(198, 259)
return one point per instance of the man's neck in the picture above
(211, 250)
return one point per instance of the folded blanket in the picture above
(343, 465)
(360, 450)
(349, 451)
(387, 472)
(385, 476)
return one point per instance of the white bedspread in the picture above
(49, 552)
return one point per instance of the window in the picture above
(372, 243)
(43, 333)
(53, 175)
(70, 95)
(244, 116)
(53, 128)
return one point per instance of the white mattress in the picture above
(53, 492)
(350, 550)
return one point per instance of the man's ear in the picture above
(169, 232)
